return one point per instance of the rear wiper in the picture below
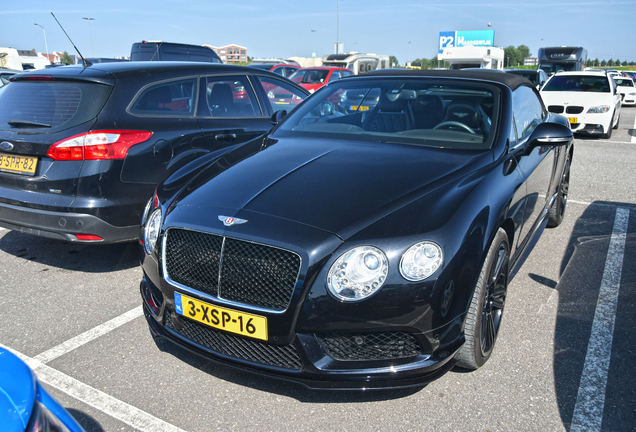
(27, 123)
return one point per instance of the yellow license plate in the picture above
(359, 108)
(573, 119)
(18, 164)
(229, 320)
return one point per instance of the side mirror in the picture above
(278, 116)
(550, 134)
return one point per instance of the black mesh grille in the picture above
(257, 274)
(557, 109)
(244, 272)
(574, 110)
(193, 258)
(283, 356)
(370, 346)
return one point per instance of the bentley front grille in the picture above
(236, 270)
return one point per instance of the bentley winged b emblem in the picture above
(229, 220)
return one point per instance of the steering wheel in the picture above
(455, 123)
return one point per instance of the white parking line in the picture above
(115, 408)
(89, 335)
(590, 401)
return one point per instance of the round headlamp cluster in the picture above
(420, 261)
(151, 230)
(358, 273)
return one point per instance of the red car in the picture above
(281, 69)
(315, 77)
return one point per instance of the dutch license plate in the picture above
(359, 108)
(573, 119)
(18, 164)
(232, 321)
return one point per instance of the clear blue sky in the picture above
(282, 28)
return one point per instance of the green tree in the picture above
(524, 52)
(624, 63)
(66, 58)
(393, 61)
(603, 63)
(588, 63)
(596, 62)
(610, 62)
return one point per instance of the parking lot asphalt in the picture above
(563, 359)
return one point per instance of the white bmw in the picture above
(626, 89)
(590, 100)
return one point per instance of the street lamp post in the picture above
(90, 34)
(338, 28)
(313, 48)
(46, 46)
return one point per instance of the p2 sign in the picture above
(446, 40)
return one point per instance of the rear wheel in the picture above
(557, 211)
(484, 315)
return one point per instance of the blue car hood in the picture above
(17, 392)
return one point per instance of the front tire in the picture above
(483, 319)
(557, 211)
(608, 134)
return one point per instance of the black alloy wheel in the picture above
(557, 211)
(483, 319)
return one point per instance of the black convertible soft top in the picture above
(510, 80)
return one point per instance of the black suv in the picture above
(82, 149)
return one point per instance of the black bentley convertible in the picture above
(359, 248)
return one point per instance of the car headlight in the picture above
(43, 420)
(151, 230)
(421, 260)
(598, 109)
(358, 273)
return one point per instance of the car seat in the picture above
(389, 115)
(464, 113)
(221, 101)
(428, 111)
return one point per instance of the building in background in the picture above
(230, 53)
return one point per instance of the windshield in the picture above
(428, 112)
(581, 83)
(551, 68)
(309, 76)
(624, 82)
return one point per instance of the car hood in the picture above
(17, 392)
(334, 185)
(585, 99)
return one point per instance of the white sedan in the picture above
(626, 89)
(590, 100)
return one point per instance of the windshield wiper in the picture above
(27, 123)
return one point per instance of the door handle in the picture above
(225, 137)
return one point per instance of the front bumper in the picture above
(305, 360)
(62, 225)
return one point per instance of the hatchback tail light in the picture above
(97, 145)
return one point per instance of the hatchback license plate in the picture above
(18, 164)
(359, 108)
(573, 120)
(244, 324)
